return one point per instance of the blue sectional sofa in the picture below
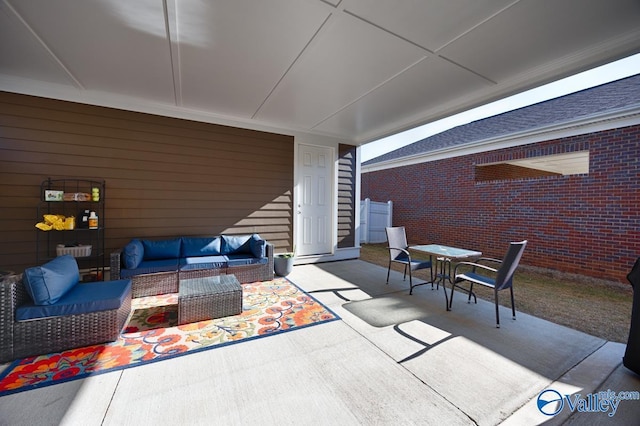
(157, 266)
(46, 309)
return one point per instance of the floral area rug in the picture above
(152, 334)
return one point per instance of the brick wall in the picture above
(587, 224)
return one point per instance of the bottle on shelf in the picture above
(93, 221)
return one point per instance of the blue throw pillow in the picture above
(46, 284)
(235, 244)
(133, 254)
(163, 249)
(258, 246)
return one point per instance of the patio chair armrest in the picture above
(473, 266)
(398, 248)
(405, 251)
(488, 259)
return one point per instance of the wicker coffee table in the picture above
(206, 298)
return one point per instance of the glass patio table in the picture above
(444, 256)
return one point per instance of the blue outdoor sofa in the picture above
(157, 266)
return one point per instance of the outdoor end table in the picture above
(444, 256)
(207, 298)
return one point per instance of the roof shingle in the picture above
(595, 101)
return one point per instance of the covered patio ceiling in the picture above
(357, 70)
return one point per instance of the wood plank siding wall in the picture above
(165, 177)
(346, 196)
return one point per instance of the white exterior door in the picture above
(314, 208)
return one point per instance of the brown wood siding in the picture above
(346, 196)
(165, 177)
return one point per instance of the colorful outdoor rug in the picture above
(152, 334)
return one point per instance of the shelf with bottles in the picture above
(70, 215)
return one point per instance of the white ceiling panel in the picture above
(538, 33)
(343, 63)
(23, 55)
(406, 98)
(241, 56)
(109, 46)
(356, 70)
(421, 22)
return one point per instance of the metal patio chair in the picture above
(498, 278)
(399, 253)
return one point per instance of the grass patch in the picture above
(601, 309)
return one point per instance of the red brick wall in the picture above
(587, 224)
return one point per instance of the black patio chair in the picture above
(631, 358)
(498, 278)
(399, 253)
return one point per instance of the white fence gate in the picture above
(374, 217)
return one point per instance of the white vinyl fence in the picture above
(374, 217)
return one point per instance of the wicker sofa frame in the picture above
(168, 282)
(19, 339)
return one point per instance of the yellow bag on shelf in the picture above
(56, 221)
(52, 218)
(43, 226)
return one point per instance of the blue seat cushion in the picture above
(46, 284)
(202, 262)
(150, 267)
(81, 299)
(161, 249)
(244, 260)
(200, 246)
(401, 257)
(133, 254)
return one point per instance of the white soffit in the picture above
(566, 164)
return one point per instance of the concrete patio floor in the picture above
(392, 359)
